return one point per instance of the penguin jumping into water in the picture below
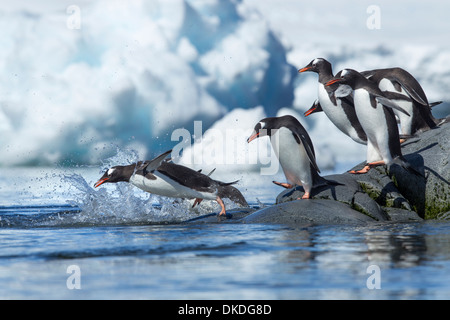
(374, 112)
(401, 87)
(294, 150)
(168, 179)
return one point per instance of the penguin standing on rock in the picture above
(294, 150)
(401, 87)
(374, 112)
(168, 179)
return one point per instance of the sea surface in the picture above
(62, 239)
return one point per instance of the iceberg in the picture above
(77, 82)
(129, 74)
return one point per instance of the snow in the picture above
(79, 80)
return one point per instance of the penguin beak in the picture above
(253, 137)
(100, 182)
(329, 83)
(304, 69)
(311, 110)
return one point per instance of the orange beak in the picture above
(100, 182)
(304, 69)
(329, 83)
(253, 137)
(311, 110)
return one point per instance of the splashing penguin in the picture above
(166, 178)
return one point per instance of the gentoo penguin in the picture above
(294, 150)
(401, 87)
(338, 107)
(168, 179)
(374, 113)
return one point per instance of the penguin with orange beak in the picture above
(294, 150)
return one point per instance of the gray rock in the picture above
(309, 211)
(232, 216)
(365, 204)
(402, 215)
(380, 195)
(398, 188)
(348, 192)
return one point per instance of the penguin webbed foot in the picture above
(283, 184)
(197, 202)
(362, 171)
(222, 212)
(367, 167)
(307, 195)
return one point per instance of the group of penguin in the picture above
(363, 105)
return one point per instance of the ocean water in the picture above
(62, 239)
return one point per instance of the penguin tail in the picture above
(233, 194)
(224, 184)
(333, 183)
(435, 104)
(407, 166)
(320, 181)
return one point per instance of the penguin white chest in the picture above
(372, 119)
(167, 187)
(387, 85)
(292, 156)
(335, 113)
(407, 105)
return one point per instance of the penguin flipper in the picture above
(343, 91)
(153, 164)
(390, 104)
(307, 144)
(209, 174)
(410, 91)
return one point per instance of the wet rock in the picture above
(402, 215)
(348, 191)
(397, 188)
(232, 216)
(309, 211)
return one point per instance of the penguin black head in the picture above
(116, 174)
(349, 77)
(266, 126)
(317, 65)
(262, 128)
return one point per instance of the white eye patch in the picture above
(263, 124)
(110, 171)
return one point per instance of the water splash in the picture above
(66, 197)
(122, 203)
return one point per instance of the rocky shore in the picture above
(378, 196)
